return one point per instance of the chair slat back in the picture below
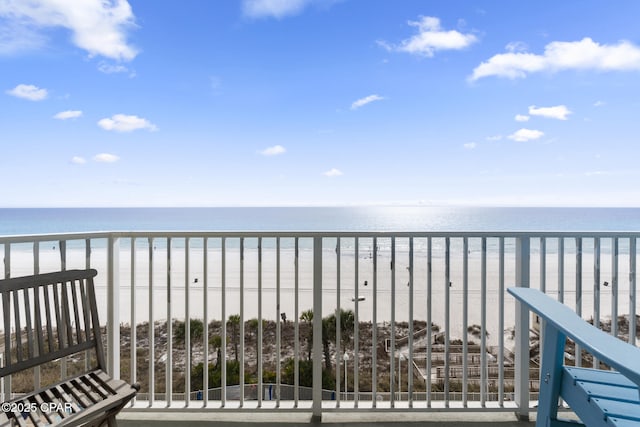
(48, 316)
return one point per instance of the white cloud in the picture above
(70, 114)
(364, 101)
(431, 37)
(97, 26)
(559, 112)
(599, 103)
(272, 8)
(124, 123)
(106, 158)
(516, 47)
(523, 135)
(333, 172)
(273, 151)
(30, 92)
(16, 38)
(579, 55)
(521, 118)
(78, 160)
(470, 145)
(107, 68)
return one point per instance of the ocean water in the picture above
(61, 220)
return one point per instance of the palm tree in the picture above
(307, 318)
(347, 320)
(234, 322)
(216, 343)
(196, 332)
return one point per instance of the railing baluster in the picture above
(7, 260)
(187, 325)
(632, 291)
(596, 288)
(36, 270)
(205, 322)
(111, 325)
(223, 317)
(429, 317)
(561, 269)
(87, 253)
(356, 326)
(374, 325)
(543, 288)
(501, 327)
(392, 351)
(522, 330)
(614, 286)
(87, 356)
(317, 330)
(259, 343)
(113, 306)
(339, 356)
(278, 325)
(296, 345)
(62, 245)
(578, 350)
(484, 382)
(411, 296)
(152, 347)
(169, 359)
(242, 343)
(447, 318)
(133, 341)
(465, 321)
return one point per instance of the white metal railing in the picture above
(416, 300)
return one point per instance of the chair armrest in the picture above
(622, 356)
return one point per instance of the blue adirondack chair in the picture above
(597, 397)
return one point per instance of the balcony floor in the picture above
(294, 419)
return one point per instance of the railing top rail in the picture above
(28, 238)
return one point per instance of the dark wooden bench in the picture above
(597, 397)
(54, 316)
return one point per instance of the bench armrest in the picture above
(622, 356)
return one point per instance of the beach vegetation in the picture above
(196, 330)
(305, 374)
(234, 324)
(215, 375)
(307, 317)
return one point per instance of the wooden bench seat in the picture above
(597, 397)
(45, 318)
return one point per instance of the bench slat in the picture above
(95, 385)
(86, 312)
(27, 310)
(58, 354)
(76, 309)
(37, 398)
(38, 320)
(50, 397)
(80, 387)
(67, 331)
(64, 396)
(48, 314)
(18, 326)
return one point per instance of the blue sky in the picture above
(319, 102)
